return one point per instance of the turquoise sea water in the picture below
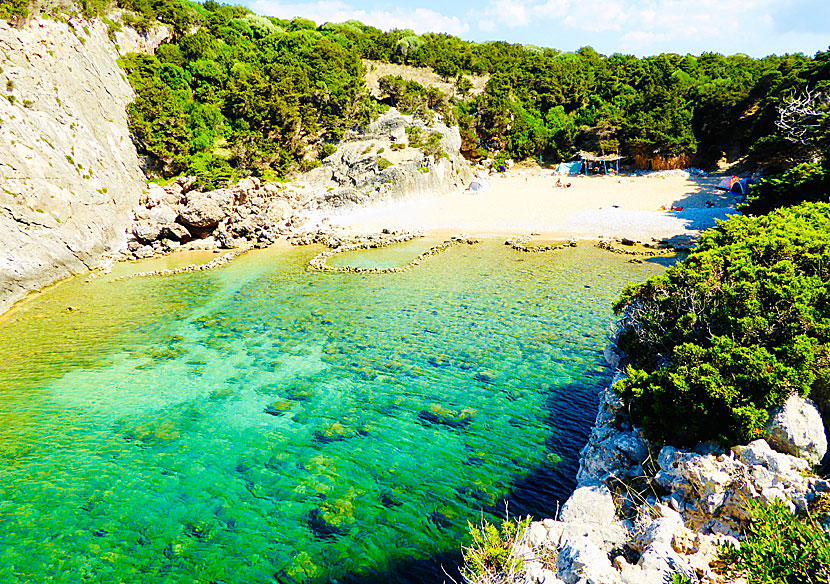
(263, 423)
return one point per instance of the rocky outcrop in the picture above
(253, 212)
(796, 428)
(381, 165)
(615, 449)
(69, 173)
(641, 517)
(249, 213)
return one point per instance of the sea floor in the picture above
(264, 423)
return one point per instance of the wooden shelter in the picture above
(659, 162)
(606, 162)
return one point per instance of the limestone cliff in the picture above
(382, 164)
(69, 173)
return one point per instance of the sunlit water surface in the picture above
(263, 423)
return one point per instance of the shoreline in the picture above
(522, 203)
(526, 201)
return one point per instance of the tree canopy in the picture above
(240, 93)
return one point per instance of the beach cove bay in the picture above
(261, 422)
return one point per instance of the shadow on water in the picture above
(539, 494)
(665, 261)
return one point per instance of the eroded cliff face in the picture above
(69, 173)
(367, 169)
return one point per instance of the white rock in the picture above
(555, 532)
(761, 477)
(201, 210)
(770, 495)
(537, 534)
(759, 452)
(660, 557)
(796, 428)
(660, 530)
(162, 213)
(675, 501)
(589, 503)
(579, 560)
(604, 536)
(668, 512)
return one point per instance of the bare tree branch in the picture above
(800, 114)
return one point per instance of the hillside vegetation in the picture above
(733, 330)
(233, 93)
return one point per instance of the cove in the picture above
(265, 423)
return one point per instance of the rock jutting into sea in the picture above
(248, 213)
(640, 517)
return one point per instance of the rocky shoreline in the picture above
(640, 516)
(256, 213)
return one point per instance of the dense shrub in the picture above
(410, 97)
(781, 549)
(297, 85)
(809, 182)
(731, 331)
(14, 10)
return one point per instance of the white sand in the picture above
(526, 201)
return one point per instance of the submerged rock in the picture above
(440, 415)
(322, 527)
(278, 408)
(332, 433)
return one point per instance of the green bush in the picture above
(432, 145)
(410, 97)
(326, 150)
(383, 164)
(731, 331)
(781, 549)
(492, 550)
(415, 136)
(239, 88)
(15, 10)
(307, 164)
(805, 182)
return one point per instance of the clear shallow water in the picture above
(262, 423)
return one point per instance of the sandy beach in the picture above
(526, 201)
